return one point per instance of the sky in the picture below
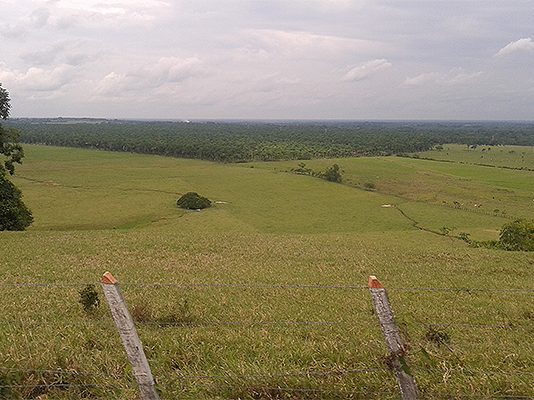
(269, 59)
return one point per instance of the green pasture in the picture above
(498, 156)
(96, 211)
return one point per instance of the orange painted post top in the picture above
(374, 283)
(109, 279)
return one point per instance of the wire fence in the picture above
(268, 286)
(263, 324)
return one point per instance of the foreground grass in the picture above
(245, 342)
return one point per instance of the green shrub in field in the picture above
(193, 201)
(333, 174)
(89, 298)
(14, 215)
(518, 235)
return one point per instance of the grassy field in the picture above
(498, 156)
(97, 211)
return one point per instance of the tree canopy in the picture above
(193, 201)
(14, 215)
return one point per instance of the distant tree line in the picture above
(267, 141)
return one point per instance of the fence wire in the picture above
(286, 375)
(241, 285)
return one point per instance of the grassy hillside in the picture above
(498, 156)
(98, 211)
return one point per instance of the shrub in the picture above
(14, 215)
(333, 174)
(193, 201)
(89, 298)
(518, 235)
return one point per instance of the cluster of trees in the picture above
(267, 141)
(517, 235)
(332, 174)
(14, 215)
(193, 201)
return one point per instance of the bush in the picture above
(333, 174)
(193, 201)
(369, 186)
(518, 235)
(14, 215)
(89, 298)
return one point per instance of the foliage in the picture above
(14, 215)
(193, 201)
(5, 104)
(9, 146)
(518, 235)
(369, 186)
(262, 141)
(89, 298)
(333, 174)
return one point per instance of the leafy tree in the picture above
(518, 235)
(333, 174)
(193, 201)
(14, 215)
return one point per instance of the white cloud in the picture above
(367, 69)
(297, 43)
(526, 44)
(167, 70)
(64, 52)
(453, 77)
(91, 14)
(37, 79)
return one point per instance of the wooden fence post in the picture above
(129, 337)
(397, 349)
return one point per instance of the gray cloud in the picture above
(268, 58)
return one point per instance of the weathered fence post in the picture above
(129, 337)
(395, 344)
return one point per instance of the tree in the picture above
(518, 235)
(14, 215)
(193, 201)
(333, 174)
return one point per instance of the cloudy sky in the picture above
(350, 59)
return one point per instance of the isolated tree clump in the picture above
(14, 215)
(518, 235)
(333, 174)
(193, 201)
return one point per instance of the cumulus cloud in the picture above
(453, 77)
(521, 45)
(167, 70)
(91, 14)
(64, 52)
(367, 69)
(37, 79)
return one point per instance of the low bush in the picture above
(193, 201)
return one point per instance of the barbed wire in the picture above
(56, 385)
(268, 286)
(460, 289)
(504, 325)
(49, 371)
(287, 375)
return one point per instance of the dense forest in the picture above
(241, 141)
